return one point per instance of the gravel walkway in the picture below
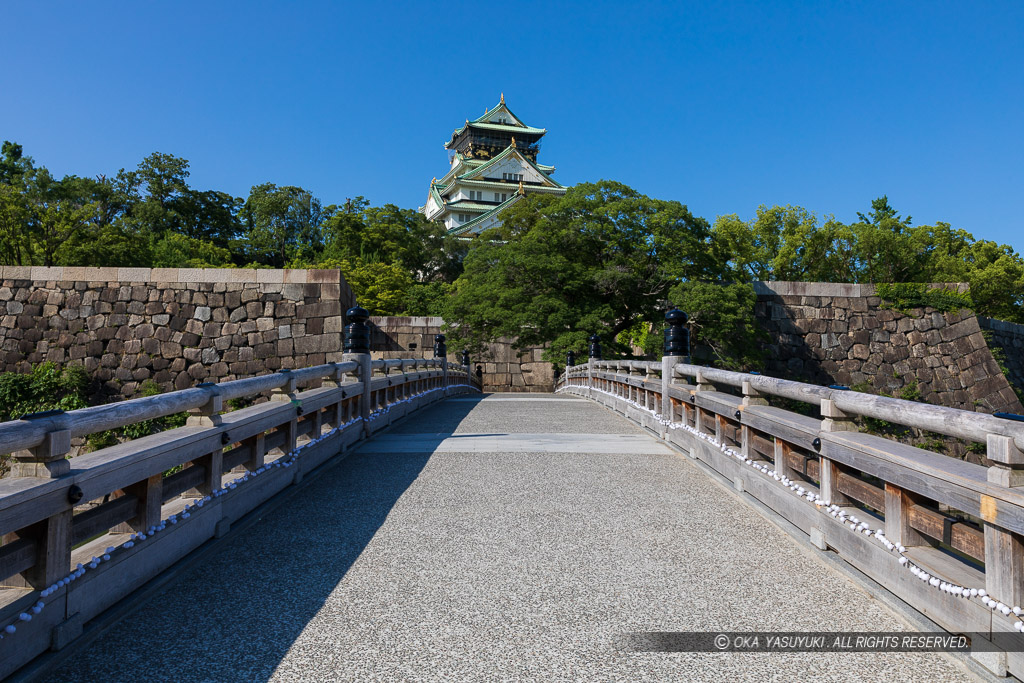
(497, 565)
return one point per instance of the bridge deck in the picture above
(510, 537)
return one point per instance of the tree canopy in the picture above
(395, 260)
(599, 259)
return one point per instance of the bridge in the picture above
(383, 519)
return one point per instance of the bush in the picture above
(905, 296)
(722, 319)
(46, 387)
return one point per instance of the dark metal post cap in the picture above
(357, 314)
(676, 317)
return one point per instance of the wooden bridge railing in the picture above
(80, 534)
(943, 534)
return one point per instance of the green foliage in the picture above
(175, 250)
(381, 288)
(596, 260)
(789, 243)
(284, 223)
(644, 336)
(905, 296)
(722, 320)
(910, 391)
(428, 298)
(46, 387)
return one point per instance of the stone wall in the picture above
(828, 333)
(504, 369)
(174, 326)
(1007, 341)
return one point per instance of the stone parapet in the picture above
(827, 333)
(504, 368)
(173, 326)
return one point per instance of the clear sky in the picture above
(722, 106)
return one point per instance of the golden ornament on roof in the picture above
(502, 98)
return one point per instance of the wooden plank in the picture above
(863, 492)
(794, 428)
(765, 447)
(961, 536)
(275, 439)
(102, 518)
(723, 404)
(183, 480)
(237, 456)
(17, 556)
(1004, 565)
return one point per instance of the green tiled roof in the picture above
(436, 195)
(504, 155)
(479, 122)
(504, 185)
(468, 205)
(468, 227)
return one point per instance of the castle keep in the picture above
(493, 165)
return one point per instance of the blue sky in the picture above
(722, 106)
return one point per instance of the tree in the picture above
(57, 215)
(209, 216)
(785, 243)
(14, 165)
(284, 224)
(393, 235)
(595, 260)
(381, 288)
(722, 320)
(885, 247)
(15, 239)
(175, 250)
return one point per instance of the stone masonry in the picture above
(840, 333)
(504, 369)
(176, 327)
(1006, 339)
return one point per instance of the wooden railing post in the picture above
(698, 412)
(898, 503)
(780, 454)
(47, 460)
(1004, 550)
(751, 397)
(668, 365)
(53, 549)
(833, 420)
(208, 415)
(594, 355)
(287, 393)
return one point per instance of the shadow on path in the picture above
(234, 616)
